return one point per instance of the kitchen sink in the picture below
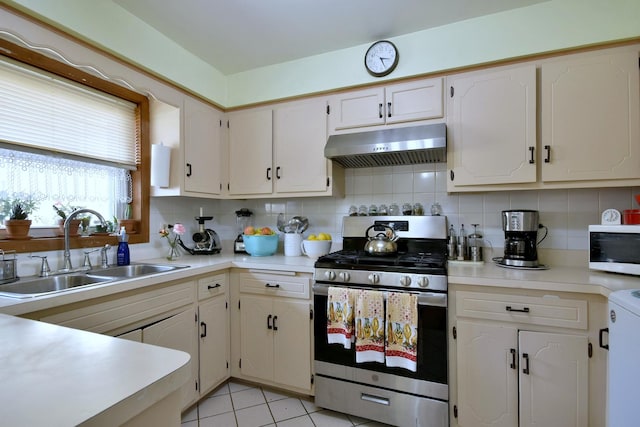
(46, 285)
(38, 286)
(132, 270)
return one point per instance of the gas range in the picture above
(420, 263)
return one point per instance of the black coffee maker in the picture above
(521, 238)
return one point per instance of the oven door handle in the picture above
(375, 399)
(424, 298)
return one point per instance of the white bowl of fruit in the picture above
(316, 245)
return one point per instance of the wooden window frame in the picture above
(140, 177)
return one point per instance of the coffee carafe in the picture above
(521, 238)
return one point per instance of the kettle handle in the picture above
(393, 237)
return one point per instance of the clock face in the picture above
(610, 216)
(381, 58)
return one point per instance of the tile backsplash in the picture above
(566, 213)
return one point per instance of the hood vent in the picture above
(389, 147)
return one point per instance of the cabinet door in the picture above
(214, 339)
(179, 333)
(554, 390)
(356, 109)
(590, 110)
(202, 148)
(250, 152)
(412, 101)
(135, 335)
(300, 134)
(292, 345)
(256, 337)
(487, 374)
(491, 120)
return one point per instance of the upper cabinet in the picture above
(404, 102)
(194, 134)
(590, 117)
(280, 151)
(491, 127)
(589, 134)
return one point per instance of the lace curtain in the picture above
(47, 180)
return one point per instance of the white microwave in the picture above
(615, 248)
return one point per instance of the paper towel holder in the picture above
(160, 165)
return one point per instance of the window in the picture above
(69, 144)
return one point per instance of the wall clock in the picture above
(381, 58)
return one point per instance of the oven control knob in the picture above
(423, 282)
(344, 276)
(405, 280)
(330, 275)
(374, 278)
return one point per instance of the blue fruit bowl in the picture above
(259, 245)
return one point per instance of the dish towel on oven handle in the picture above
(340, 309)
(369, 326)
(402, 330)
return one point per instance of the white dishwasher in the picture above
(624, 358)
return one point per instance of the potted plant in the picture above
(18, 224)
(131, 225)
(62, 211)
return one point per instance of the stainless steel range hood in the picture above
(389, 147)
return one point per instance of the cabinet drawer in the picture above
(103, 317)
(212, 286)
(545, 310)
(275, 285)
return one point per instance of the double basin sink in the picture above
(38, 286)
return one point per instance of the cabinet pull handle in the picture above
(532, 160)
(513, 358)
(278, 172)
(601, 336)
(268, 174)
(547, 159)
(380, 110)
(275, 328)
(203, 326)
(525, 370)
(217, 285)
(269, 285)
(518, 310)
(188, 169)
(388, 109)
(269, 322)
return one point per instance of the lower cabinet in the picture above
(275, 321)
(527, 359)
(509, 377)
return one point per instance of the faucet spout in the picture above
(67, 222)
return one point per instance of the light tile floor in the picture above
(235, 404)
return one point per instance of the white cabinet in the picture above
(202, 148)
(491, 127)
(503, 372)
(403, 102)
(193, 132)
(275, 325)
(213, 321)
(522, 360)
(279, 151)
(590, 110)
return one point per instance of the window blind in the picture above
(42, 111)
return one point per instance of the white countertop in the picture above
(56, 376)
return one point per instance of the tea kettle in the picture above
(383, 243)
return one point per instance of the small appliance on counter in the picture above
(206, 240)
(243, 220)
(521, 239)
(615, 248)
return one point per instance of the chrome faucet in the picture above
(67, 222)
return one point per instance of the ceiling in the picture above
(239, 35)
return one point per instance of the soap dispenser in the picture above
(122, 255)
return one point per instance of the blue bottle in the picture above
(122, 255)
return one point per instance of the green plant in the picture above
(63, 210)
(7, 207)
(18, 212)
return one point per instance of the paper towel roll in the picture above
(160, 165)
